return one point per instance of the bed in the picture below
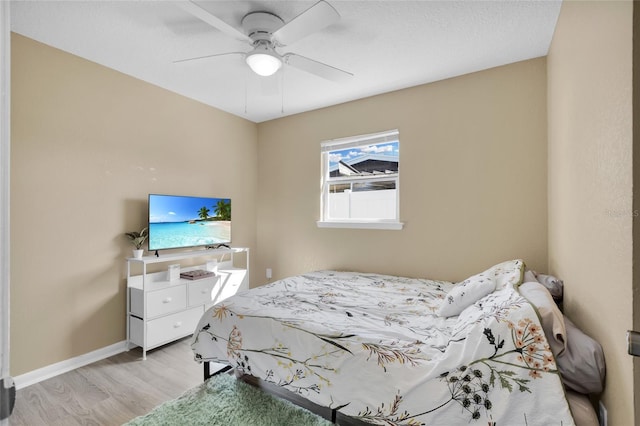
(395, 351)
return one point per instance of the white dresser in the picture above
(160, 311)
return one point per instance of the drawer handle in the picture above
(167, 300)
(178, 324)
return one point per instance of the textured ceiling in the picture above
(387, 45)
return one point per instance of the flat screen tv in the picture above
(177, 221)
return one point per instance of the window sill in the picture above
(396, 226)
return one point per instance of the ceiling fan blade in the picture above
(317, 17)
(206, 16)
(207, 56)
(317, 68)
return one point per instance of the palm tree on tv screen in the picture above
(223, 210)
(203, 213)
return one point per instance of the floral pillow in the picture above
(467, 292)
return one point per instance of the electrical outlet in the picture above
(269, 273)
(602, 416)
(633, 343)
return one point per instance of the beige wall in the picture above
(636, 200)
(473, 179)
(88, 145)
(590, 181)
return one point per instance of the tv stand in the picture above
(157, 254)
(160, 311)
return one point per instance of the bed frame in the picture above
(333, 415)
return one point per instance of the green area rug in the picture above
(223, 400)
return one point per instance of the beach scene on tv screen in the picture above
(176, 221)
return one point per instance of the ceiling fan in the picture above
(266, 32)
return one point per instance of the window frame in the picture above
(325, 182)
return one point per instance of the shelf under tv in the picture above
(165, 257)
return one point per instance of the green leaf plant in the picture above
(138, 238)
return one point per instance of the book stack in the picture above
(196, 274)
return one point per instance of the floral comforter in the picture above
(374, 347)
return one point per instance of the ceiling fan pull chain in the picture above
(282, 91)
(246, 83)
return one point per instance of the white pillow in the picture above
(466, 293)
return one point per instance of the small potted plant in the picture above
(137, 239)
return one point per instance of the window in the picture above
(360, 182)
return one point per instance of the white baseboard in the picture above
(44, 373)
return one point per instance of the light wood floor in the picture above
(109, 392)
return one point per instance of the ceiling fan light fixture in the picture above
(264, 61)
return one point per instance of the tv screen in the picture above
(177, 221)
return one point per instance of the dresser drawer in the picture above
(172, 327)
(165, 301)
(201, 291)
